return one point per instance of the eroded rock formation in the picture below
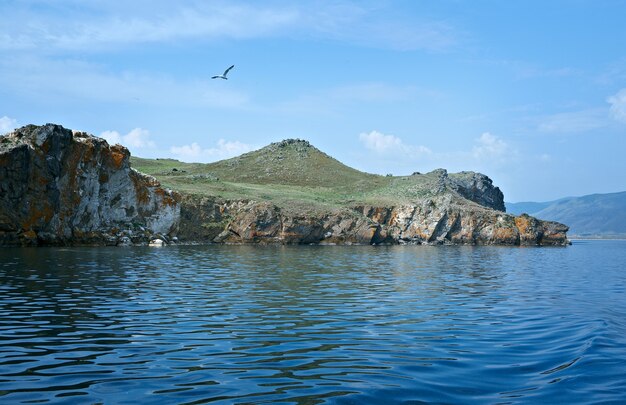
(59, 187)
(62, 187)
(434, 221)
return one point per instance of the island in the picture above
(61, 187)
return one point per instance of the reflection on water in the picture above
(249, 324)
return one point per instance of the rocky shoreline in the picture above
(62, 187)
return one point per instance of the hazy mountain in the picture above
(601, 215)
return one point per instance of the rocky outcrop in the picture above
(434, 221)
(59, 187)
(475, 187)
(236, 222)
(62, 187)
(442, 220)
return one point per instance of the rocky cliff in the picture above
(60, 187)
(64, 187)
(436, 221)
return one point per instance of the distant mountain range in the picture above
(594, 215)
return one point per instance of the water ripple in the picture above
(311, 325)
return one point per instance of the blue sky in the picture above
(531, 93)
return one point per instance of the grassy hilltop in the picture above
(82, 191)
(289, 173)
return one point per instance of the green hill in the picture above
(595, 215)
(288, 193)
(290, 172)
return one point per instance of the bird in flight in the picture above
(223, 76)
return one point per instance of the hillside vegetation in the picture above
(64, 187)
(287, 173)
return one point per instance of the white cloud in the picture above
(223, 150)
(112, 137)
(7, 124)
(618, 105)
(187, 152)
(489, 146)
(113, 24)
(137, 138)
(487, 154)
(574, 122)
(381, 143)
(103, 25)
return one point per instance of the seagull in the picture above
(223, 76)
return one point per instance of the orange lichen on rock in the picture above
(118, 159)
(378, 214)
(38, 216)
(523, 223)
(506, 235)
(65, 187)
(367, 235)
(118, 154)
(30, 234)
(166, 198)
(141, 191)
(88, 154)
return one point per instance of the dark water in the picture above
(314, 325)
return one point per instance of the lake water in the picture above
(311, 324)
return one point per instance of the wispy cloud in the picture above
(574, 122)
(134, 140)
(489, 146)
(125, 24)
(390, 144)
(104, 25)
(329, 100)
(587, 119)
(352, 22)
(521, 69)
(618, 105)
(222, 150)
(51, 78)
(614, 73)
(7, 124)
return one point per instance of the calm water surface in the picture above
(246, 324)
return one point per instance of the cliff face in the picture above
(59, 187)
(435, 221)
(478, 188)
(62, 187)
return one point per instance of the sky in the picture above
(530, 93)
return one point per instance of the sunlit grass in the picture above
(290, 174)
